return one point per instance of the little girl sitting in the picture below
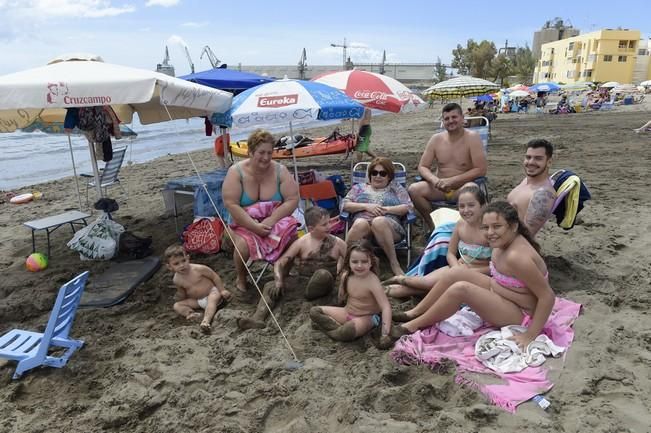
(467, 242)
(366, 304)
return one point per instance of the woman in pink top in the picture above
(517, 291)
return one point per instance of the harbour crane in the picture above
(302, 65)
(212, 58)
(187, 54)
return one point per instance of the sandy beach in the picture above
(143, 369)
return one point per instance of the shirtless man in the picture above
(534, 197)
(319, 256)
(459, 157)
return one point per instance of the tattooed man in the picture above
(535, 195)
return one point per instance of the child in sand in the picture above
(467, 241)
(197, 286)
(365, 300)
(319, 258)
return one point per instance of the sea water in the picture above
(35, 157)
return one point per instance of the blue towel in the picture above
(435, 254)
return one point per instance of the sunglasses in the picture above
(380, 173)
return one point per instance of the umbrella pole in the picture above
(93, 161)
(291, 134)
(74, 171)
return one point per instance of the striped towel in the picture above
(435, 254)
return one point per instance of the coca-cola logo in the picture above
(277, 101)
(367, 94)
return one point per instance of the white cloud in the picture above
(195, 24)
(358, 52)
(162, 3)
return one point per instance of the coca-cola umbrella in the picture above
(373, 90)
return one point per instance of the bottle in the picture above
(541, 401)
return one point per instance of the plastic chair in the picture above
(360, 176)
(109, 175)
(30, 349)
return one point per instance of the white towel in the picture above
(463, 323)
(500, 354)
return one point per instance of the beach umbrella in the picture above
(461, 87)
(545, 87)
(227, 79)
(287, 103)
(624, 88)
(519, 94)
(484, 98)
(519, 87)
(578, 86)
(155, 97)
(373, 90)
(609, 84)
(646, 83)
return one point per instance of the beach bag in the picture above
(203, 236)
(98, 240)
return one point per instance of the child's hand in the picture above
(385, 342)
(522, 340)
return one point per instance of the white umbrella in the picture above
(65, 84)
(578, 86)
(624, 88)
(461, 87)
(646, 83)
(609, 84)
(519, 94)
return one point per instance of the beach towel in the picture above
(434, 256)
(267, 248)
(567, 209)
(430, 347)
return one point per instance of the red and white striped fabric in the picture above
(373, 90)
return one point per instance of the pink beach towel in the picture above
(271, 247)
(430, 346)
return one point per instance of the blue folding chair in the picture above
(30, 349)
(360, 176)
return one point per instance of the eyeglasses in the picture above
(380, 173)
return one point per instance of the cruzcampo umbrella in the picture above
(154, 96)
(461, 87)
(374, 90)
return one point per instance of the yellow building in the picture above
(604, 55)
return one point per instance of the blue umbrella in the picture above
(545, 87)
(227, 79)
(484, 98)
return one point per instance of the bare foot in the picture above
(385, 342)
(322, 320)
(226, 295)
(397, 270)
(398, 331)
(193, 316)
(396, 279)
(400, 316)
(250, 323)
(240, 287)
(345, 332)
(205, 327)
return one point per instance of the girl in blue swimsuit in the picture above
(468, 247)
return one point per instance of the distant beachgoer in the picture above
(644, 128)
(534, 197)
(197, 286)
(467, 241)
(260, 196)
(317, 258)
(367, 306)
(517, 292)
(460, 159)
(364, 136)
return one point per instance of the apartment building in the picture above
(604, 55)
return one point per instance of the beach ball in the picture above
(36, 262)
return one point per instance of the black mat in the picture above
(118, 281)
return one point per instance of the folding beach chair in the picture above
(360, 176)
(31, 349)
(109, 174)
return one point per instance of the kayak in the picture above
(320, 146)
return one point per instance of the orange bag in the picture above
(203, 236)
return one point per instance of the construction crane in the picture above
(212, 58)
(345, 46)
(187, 54)
(302, 65)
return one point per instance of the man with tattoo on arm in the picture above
(534, 197)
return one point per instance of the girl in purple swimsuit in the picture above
(516, 293)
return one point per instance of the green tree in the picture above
(475, 58)
(523, 64)
(440, 71)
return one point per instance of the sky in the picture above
(135, 33)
